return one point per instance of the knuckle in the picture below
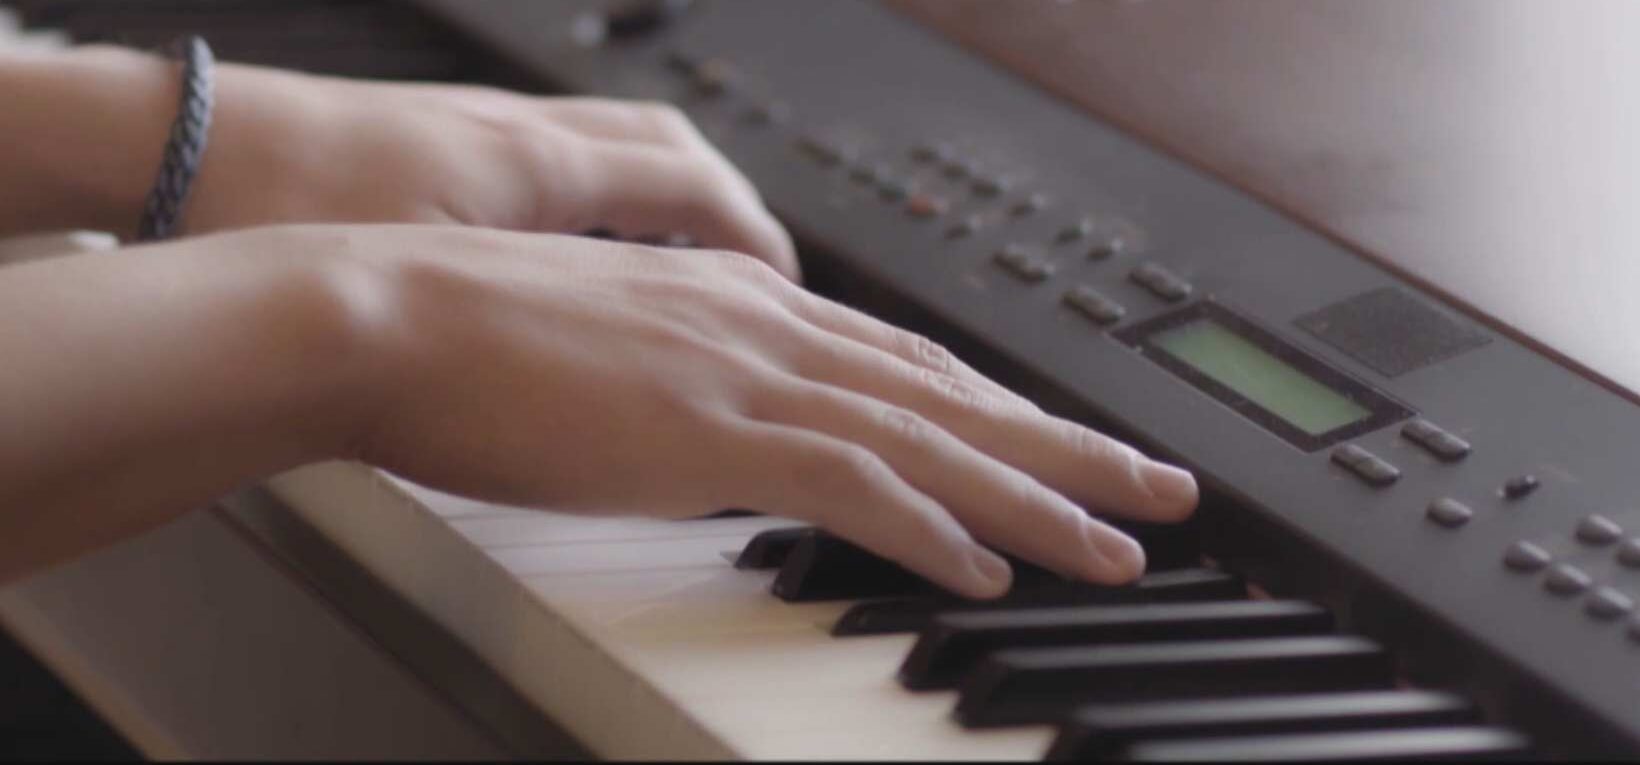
(924, 351)
(905, 425)
(954, 391)
(1088, 444)
(854, 465)
(665, 118)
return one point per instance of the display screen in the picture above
(1279, 388)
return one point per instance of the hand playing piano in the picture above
(589, 376)
(289, 147)
(550, 371)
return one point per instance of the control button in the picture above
(925, 206)
(714, 77)
(929, 153)
(1607, 603)
(642, 17)
(775, 113)
(1449, 512)
(964, 228)
(957, 170)
(1365, 465)
(893, 189)
(1107, 249)
(1023, 264)
(1088, 302)
(1566, 579)
(1075, 232)
(823, 150)
(1349, 455)
(991, 186)
(1438, 442)
(1527, 557)
(1628, 553)
(874, 174)
(1377, 472)
(681, 61)
(1598, 530)
(1029, 205)
(1161, 282)
(1520, 486)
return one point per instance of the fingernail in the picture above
(1172, 486)
(1120, 558)
(995, 572)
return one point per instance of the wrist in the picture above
(85, 131)
(314, 316)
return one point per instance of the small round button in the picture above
(990, 186)
(963, 228)
(1449, 512)
(1520, 486)
(931, 152)
(1628, 553)
(1607, 603)
(958, 170)
(892, 189)
(1566, 579)
(1598, 530)
(1525, 556)
(775, 113)
(1076, 231)
(714, 77)
(925, 206)
(1029, 205)
(1107, 249)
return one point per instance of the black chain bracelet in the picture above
(162, 212)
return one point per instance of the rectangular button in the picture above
(1040, 685)
(1436, 441)
(1463, 743)
(878, 617)
(954, 642)
(1024, 265)
(1096, 307)
(1161, 282)
(1101, 732)
(1366, 465)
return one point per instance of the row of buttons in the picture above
(1376, 471)
(1566, 580)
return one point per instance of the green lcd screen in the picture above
(1220, 354)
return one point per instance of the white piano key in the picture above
(644, 641)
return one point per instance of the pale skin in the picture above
(480, 350)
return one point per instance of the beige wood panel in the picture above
(1487, 146)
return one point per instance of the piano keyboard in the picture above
(744, 637)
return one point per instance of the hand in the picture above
(588, 376)
(87, 126)
(289, 147)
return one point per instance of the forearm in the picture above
(83, 133)
(140, 384)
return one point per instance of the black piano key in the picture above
(1103, 731)
(1040, 685)
(823, 567)
(1167, 545)
(769, 549)
(954, 642)
(1458, 743)
(878, 617)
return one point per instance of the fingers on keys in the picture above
(990, 499)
